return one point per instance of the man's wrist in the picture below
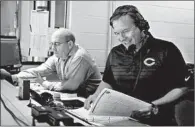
(14, 78)
(155, 109)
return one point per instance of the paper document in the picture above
(113, 103)
(110, 106)
(39, 44)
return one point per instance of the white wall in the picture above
(169, 20)
(89, 21)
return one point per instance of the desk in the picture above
(125, 122)
(9, 95)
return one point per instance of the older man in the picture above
(144, 67)
(72, 64)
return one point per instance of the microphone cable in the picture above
(16, 119)
(140, 65)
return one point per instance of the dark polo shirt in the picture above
(149, 74)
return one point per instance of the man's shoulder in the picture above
(53, 57)
(83, 54)
(116, 48)
(165, 44)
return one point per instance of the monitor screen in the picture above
(10, 53)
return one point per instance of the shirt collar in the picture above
(147, 45)
(72, 52)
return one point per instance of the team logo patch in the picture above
(149, 61)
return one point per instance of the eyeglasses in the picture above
(128, 30)
(55, 43)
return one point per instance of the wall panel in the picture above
(169, 20)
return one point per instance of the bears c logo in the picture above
(149, 61)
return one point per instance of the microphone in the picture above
(133, 47)
(144, 39)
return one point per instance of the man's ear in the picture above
(143, 33)
(70, 44)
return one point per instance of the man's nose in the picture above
(53, 47)
(121, 37)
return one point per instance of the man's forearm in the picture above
(22, 75)
(171, 96)
(69, 84)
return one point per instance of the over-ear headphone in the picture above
(140, 22)
(133, 12)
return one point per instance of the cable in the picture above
(18, 110)
(12, 114)
(140, 68)
(140, 65)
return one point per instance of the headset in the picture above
(133, 12)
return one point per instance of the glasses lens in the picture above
(55, 43)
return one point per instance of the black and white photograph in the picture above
(97, 63)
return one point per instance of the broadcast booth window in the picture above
(60, 11)
(10, 47)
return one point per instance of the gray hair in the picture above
(64, 33)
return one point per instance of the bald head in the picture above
(64, 35)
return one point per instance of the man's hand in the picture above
(6, 75)
(145, 113)
(57, 87)
(89, 100)
(39, 80)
